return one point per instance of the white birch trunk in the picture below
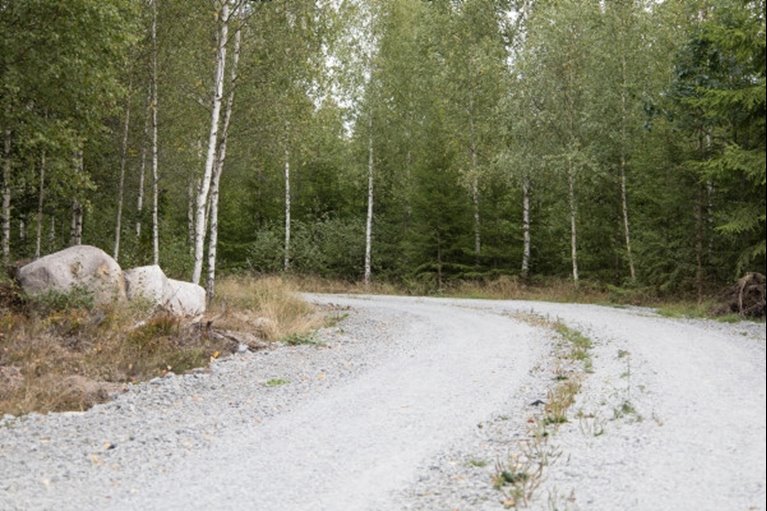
(7, 198)
(218, 92)
(142, 167)
(526, 225)
(52, 235)
(624, 200)
(121, 183)
(477, 224)
(573, 218)
(155, 172)
(76, 228)
(190, 203)
(286, 262)
(40, 204)
(216, 182)
(626, 224)
(369, 218)
(475, 186)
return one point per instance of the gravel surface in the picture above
(410, 404)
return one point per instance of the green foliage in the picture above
(668, 95)
(53, 301)
(328, 247)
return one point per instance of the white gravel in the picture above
(407, 404)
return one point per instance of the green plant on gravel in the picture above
(559, 400)
(477, 463)
(626, 409)
(334, 319)
(301, 339)
(276, 382)
(580, 345)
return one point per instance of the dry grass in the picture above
(268, 307)
(62, 353)
(499, 288)
(313, 284)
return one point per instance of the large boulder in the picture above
(185, 298)
(82, 266)
(176, 297)
(147, 283)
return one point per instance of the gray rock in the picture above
(80, 266)
(184, 298)
(148, 283)
(177, 297)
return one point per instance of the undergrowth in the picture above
(60, 351)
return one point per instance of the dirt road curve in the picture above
(407, 404)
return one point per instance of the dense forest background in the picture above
(411, 141)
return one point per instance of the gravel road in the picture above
(411, 403)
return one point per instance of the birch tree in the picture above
(121, 181)
(558, 46)
(6, 243)
(155, 149)
(210, 159)
(218, 171)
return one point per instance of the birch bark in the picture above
(121, 183)
(624, 200)
(475, 183)
(40, 204)
(216, 100)
(76, 228)
(526, 225)
(7, 198)
(155, 170)
(369, 218)
(573, 218)
(286, 261)
(142, 167)
(216, 183)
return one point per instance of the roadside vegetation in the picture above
(549, 289)
(61, 352)
(519, 476)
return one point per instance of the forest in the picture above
(422, 143)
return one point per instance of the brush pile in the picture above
(746, 297)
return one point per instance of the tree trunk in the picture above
(155, 170)
(624, 200)
(526, 226)
(40, 204)
(439, 262)
(142, 168)
(626, 225)
(369, 218)
(7, 198)
(216, 100)
(76, 228)
(699, 242)
(190, 205)
(121, 182)
(216, 183)
(286, 262)
(573, 218)
(475, 187)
